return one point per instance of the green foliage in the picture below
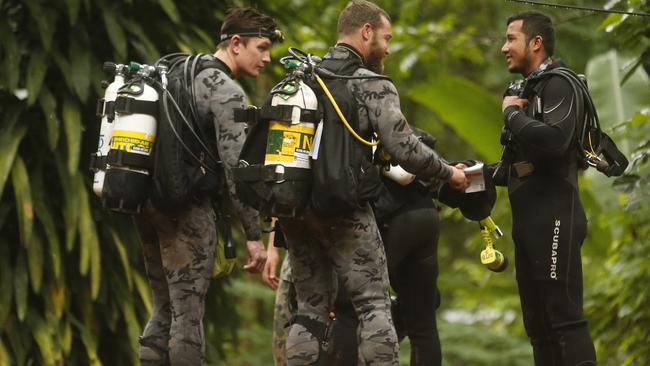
(618, 305)
(72, 287)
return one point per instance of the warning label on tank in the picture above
(134, 142)
(289, 145)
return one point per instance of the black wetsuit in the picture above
(408, 221)
(410, 234)
(549, 223)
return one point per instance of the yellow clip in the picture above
(493, 259)
(489, 224)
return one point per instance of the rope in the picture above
(576, 7)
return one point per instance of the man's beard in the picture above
(375, 61)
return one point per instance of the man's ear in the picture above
(366, 31)
(235, 43)
(537, 43)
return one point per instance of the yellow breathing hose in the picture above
(341, 116)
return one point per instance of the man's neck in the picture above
(537, 63)
(224, 56)
(355, 44)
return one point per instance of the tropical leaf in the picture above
(70, 204)
(48, 105)
(90, 253)
(10, 138)
(124, 260)
(72, 126)
(11, 57)
(24, 206)
(146, 49)
(170, 9)
(20, 285)
(35, 74)
(464, 106)
(42, 336)
(35, 254)
(46, 21)
(142, 285)
(616, 102)
(44, 215)
(17, 340)
(87, 339)
(115, 33)
(79, 56)
(6, 285)
(52, 324)
(5, 356)
(66, 336)
(73, 10)
(64, 67)
(132, 324)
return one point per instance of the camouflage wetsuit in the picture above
(350, 244)
(285, 309)
(179, 251)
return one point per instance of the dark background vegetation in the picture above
(72, 285)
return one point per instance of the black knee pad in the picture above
(323, 334)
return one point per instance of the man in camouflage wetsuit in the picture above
(179, 252)
(350, 244)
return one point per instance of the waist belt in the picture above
(268, 173)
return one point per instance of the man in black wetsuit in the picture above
(549, 223)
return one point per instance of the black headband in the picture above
(275, 35)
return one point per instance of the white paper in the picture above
(476, 179)
(316, 145)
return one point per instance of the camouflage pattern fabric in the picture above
(350, 247)
(217, 95)
(179, 255)
(380, 111)
(179, 252)
(285, 309)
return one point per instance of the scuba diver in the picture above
(541, 163)
(347, 248)
(179, 251)
(409, 225)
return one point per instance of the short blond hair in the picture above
(359, 12)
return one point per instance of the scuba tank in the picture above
(289, 142)
(128, 173)
(106, 110)
(274, 173)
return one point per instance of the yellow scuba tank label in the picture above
(289, 145)
(132, 141)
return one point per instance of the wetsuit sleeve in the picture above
(222, 96)
(382, 101)
(552, 135)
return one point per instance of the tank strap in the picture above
(98, 162)
(283, 113)
(127, 105)
(105, 108)
(132, 160)
(249, 115)
(267, 173)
